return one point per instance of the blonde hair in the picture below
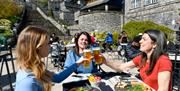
(30, 39)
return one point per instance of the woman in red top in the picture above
(155, 66)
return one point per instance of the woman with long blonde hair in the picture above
(32, 75)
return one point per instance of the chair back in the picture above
(6, 57)
(175, 58)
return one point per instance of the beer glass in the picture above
(87, 54)
(96, 52)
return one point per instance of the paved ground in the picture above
(56, 87)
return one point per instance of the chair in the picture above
(6, 56)
(122, 52)
(176, 72)
(58, 55)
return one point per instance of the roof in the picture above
(99, 2)
(95, 3)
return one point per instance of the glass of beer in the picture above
(96, 52)
(87, 54)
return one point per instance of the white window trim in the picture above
(149, 2)
(135, 4)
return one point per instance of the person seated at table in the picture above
(170, 45)
(132, 49)
(154, 64)
(32, 45)
(55, 51)
(82, 40)
(123, 37)
(108, 41)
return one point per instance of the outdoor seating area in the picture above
(89, 45)
(7, 63)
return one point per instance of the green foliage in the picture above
(133, 28)
(136, 87)
(2, 40)
(9, 8)
(13, 19)
(101, 36)
(5, 22)
(43, 2)
(115, 37)
(6, 33)
(5, 28)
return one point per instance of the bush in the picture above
(133, 28)
(13, 19)
(6, 28)
(43, 3)
(5, 22)
(6, 34)
(101, 36)
(115, 37)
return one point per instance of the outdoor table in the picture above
(124, 44)
(172, 56)
(70, 45)
(107, 83)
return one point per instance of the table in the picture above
(124, 44)
(173, 55)
(109, 80)
(70, 45)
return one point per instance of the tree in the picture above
(9, 8)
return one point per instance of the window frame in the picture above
(135, 4)
(149, 2)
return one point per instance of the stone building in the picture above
(100, 15)
(163, 12)
(110, 15)
(64, 10)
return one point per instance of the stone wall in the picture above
(101, 21)
(68, 17)
(161, 12)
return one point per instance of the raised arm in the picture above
(57, 78)
(119, 66)
(65, 73)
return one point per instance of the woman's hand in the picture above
(81, 60)
(104, 60)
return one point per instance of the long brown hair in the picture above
(77, 38)
(27, 54)
(158, 37)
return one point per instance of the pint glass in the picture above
(87, 54)
(96, 52)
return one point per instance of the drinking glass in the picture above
(87, 54)
(96, 52)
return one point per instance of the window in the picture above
(147, 2)
(135, 3)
